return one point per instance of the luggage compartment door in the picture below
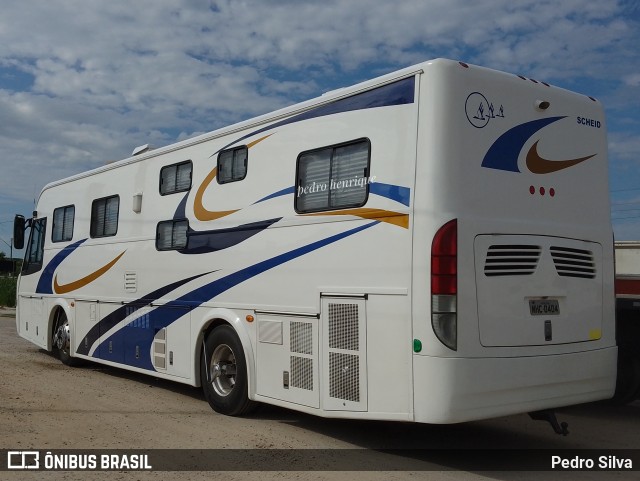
(537, 290)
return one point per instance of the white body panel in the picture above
(337, 297)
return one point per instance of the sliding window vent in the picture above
(573, 262)
(511, 260)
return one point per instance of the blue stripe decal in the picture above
(180, 212)
(504, 153)
(203, 242)
(396, 93)
(119, 314)
(401, 92)
(45, 283)
(393, 192)
(288, 190)
(165, 315)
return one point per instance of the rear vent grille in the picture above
(160, 349)
(344, 373)
(511, 260)
(301, 338)
(343, 326)
(301, 343)
(344, 367)
(573, 262)
(302, 372)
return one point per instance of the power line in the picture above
(613, 211)
(624, 190)
(626, 203)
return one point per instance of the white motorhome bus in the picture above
(433, 245)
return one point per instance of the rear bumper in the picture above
(452, 390)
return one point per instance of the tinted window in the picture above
(172, 234)
(175, 178)
(62, 229)
(232, 165)
(333, 177)
(35, 249)
(104, 216)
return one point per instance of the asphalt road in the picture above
(45, 405)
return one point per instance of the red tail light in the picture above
(444, 284)
(444, 260)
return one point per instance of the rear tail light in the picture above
(444, 284)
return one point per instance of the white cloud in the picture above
(110, 75)
(626, 148)
(632, 80)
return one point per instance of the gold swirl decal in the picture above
(540, 165)
(390, 217)
(199, 210)
(72, 286)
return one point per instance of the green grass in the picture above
(8, 291)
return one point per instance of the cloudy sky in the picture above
(82, 82)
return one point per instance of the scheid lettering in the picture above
(589, 122)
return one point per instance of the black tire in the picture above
(223, 370)
(61, 339)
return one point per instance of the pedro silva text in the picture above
(603, 462)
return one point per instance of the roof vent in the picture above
(141, 149)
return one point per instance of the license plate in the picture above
(544, 307)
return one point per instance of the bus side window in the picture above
(232, 164)
(333, 177)
(104, 216)
(176, 178)
(35, 249)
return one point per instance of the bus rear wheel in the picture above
(61, 339)
(223, 372)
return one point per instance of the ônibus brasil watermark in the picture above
(80, 461)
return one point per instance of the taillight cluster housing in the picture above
(444, 284)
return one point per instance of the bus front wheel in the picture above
(61, 339)
(223, 372)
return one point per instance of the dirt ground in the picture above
(45, 405)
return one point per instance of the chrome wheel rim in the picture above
(223, 370)
(61, 337)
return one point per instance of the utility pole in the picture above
(13, 263)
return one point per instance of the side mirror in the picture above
(18, 231)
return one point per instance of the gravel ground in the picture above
(45, 405)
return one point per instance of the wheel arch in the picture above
(210, 321)
(65, 306)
